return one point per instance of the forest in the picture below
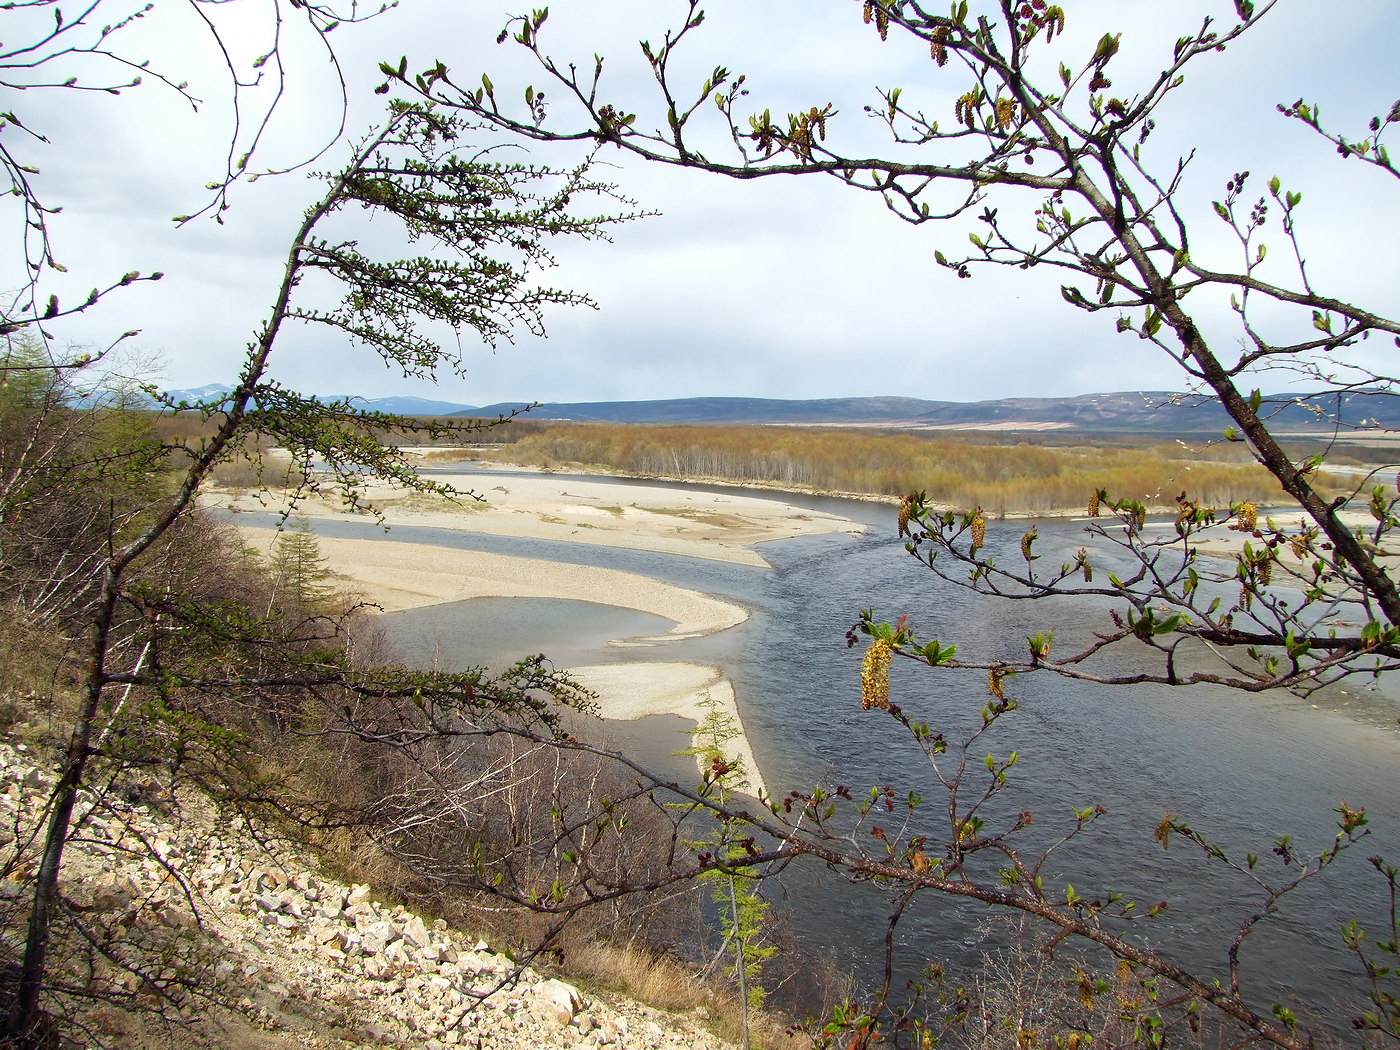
(1002, 474)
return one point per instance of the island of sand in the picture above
(670, 520)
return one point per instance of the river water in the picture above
(1242, 769)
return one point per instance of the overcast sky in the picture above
(780, 287)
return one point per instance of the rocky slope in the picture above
(202, 936)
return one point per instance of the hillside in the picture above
(273, 955)
(1138, 411)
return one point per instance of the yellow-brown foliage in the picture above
(988, 471)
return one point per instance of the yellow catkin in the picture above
(875, 675)
(1299, 545)
(882, 22)
(1006, 112)
(1094, 505)
(994, 686)
(906, 508)
(1266, 572)
(937, 48)
(979, 529)
(1249, 517)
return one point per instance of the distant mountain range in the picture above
(1154, 411)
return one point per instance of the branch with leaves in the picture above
(501, 231)
(52, 47)
(1061, 177)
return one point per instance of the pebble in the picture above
(285, 945)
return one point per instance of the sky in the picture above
(781, 287)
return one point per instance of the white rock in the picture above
(415, 932)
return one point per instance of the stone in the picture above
(375, 937)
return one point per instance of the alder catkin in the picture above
(875, 675)
(937, 45)
(994, 686)
(1006, 112)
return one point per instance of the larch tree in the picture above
(475, 233)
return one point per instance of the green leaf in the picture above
(1108, 47)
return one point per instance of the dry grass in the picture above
(666, 983)
(1000, 474)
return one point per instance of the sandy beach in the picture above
(721, 527)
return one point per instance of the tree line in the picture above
(1003, 476)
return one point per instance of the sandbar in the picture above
(717, 526)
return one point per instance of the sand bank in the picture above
(667, 520)
(636, 690)
(399, 576)
(657, 518)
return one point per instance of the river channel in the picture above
(1243, 769)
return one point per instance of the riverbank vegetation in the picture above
(1002, 474)
(263, 686)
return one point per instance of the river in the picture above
(1243, 769)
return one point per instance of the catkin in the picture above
(994, 686)
(875, 675)
(937, 45)
(1006, 112)
(979, 529)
